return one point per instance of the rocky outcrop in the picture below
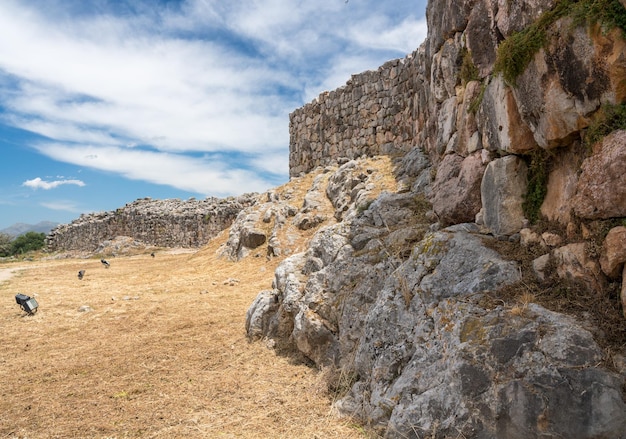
(162, 223)
(403, 310)
(406, 293)
(282, 214)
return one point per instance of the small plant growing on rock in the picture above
(475, 104)
(468, 72)
(608, 119)
(537, 184)
(338, 380)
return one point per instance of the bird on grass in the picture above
(152, 254)
(81, 273)
(105, 263)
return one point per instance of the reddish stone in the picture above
(601, 189)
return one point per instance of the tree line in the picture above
(29, 241)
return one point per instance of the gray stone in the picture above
(502, 192)
(463, 266)
(259, 313)
(163, 223)
(456, 189)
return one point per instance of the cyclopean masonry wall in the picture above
(371, 115)
(164, 223)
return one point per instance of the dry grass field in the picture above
(162, 350)
(162, 354)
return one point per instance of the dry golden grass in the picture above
(163, 354)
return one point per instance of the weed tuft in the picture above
(538, 173)
(468, 72)
(608, 119)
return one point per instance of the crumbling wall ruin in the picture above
(163, 223)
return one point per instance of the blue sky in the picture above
(103, 102)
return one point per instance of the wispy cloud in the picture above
(195, 95)
(38, 183)
(62, 205)
(205, 175)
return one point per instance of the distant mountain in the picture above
(21, 228)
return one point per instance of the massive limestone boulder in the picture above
(562, 184)
(601, 188)
(502, 190)
(501, 125)
(456, 189)
(445, 18)
(482, 42)
(566, 82)
(516, 16)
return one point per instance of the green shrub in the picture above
(30, 241)
(538, 173)
(5, 244)
(608, 13)
(516, 52)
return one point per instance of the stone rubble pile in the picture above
(161, 223)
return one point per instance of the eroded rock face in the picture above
(542, 363)
(456, 189)
(502, 191)
(394, 293)
(428, 357)
(601, 189)
(566, 83)
(614, 252)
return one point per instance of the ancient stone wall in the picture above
(164, 223)
(371, 115)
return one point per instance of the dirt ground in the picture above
(161, 352)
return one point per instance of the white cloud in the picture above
(204, 175)
(62, 205)
(38, 183)
(378, 33)
(201, 77)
